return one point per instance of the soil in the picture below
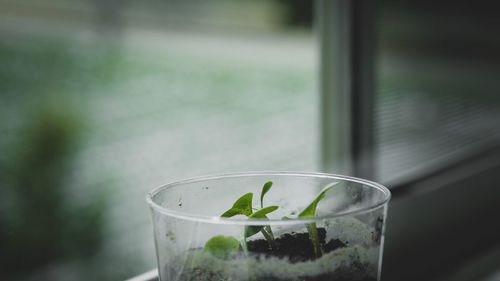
(296, 247)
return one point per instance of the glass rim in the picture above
(254, 221)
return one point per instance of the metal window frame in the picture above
(346, 30)
(347, 57)
(445, 221)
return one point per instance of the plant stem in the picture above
(313, 235)
(268, 234)
(244, 246)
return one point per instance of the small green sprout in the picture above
(243, 206)
(222, 246)
(266, 230)
(226, 246)
(310, 211)
(267, 186)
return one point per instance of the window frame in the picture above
(346, 31)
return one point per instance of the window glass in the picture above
(103, 100)
(437, 85)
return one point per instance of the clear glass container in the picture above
(300, 235)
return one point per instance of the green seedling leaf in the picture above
(265, 189)
(222, 247)
(310, 211)
(242, 206)
(260, 214)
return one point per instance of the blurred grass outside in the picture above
(156, 111)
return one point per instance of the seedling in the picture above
(310, 211)
(225, 246)
(222, 246)
(267, 186)
(243, 206)
(267, 232)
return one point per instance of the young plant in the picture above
(267, 186)
(222, 247)
(267, 232)
(218, 245)
(310, 211)
(225, 246)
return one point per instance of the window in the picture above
(410, 88)
(140, 93)
(437, 92)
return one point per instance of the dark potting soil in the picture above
(296, 247)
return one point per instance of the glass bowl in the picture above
(308, 226)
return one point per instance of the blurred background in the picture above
(103, 100)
